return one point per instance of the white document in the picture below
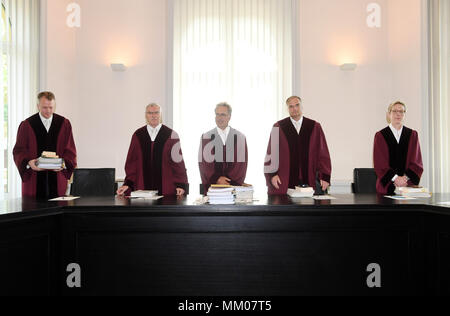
(152, 198)
(399, 198)
(324, 197)
(65, 198)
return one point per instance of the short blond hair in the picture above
(50, 96)
(391, 107)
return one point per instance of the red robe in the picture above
(302, 158)
(392, 158)
(157, 165)
(32, 140)
(218, 160)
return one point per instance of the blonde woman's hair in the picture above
(391, 107)
(151, 105)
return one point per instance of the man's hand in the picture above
(325, 185)
(122, 190)
(224, 181)
(32, 164)
(401, 182)
(276, 181)
(180, 192)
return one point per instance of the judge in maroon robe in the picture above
(297, 154)
(155, 161)
(45, 131)
(397, 155)
(223, 154)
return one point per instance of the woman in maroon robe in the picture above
(155, 162)
(397, 155)
(297, 157)
(33, 139)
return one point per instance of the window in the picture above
(19, 59)
(440, 94)
(5, 34)
(238, 52)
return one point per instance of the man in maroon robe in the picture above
(44, 131)
(223, 155)
(155, 161)
(397, 154)
(297, 154)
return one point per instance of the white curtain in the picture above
(235, 51)
(440, 93)
(22, 51)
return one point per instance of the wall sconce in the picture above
(349, 67)
(118, 67)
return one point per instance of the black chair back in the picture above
(93, 182)
(365, 181)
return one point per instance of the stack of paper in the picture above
(221, 196)
(144, 194)
(50, 161)
(244, 194)
(49, 154)
(415, 192)
(301, 192)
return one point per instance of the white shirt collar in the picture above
(397, 133)
(46, 121)
(153, 132)
(224, 134)
(300, 123)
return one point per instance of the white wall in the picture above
(107, 107)
(351, 105)
(58, 63)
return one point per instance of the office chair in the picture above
(94, 182)
(365, 181)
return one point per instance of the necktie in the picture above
(47, 125)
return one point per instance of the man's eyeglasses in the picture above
(153, 113)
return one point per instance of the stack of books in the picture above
(300, 192)
(50, 161)
(415, 192)
(244, 194)
(144, 194)
(221, 195)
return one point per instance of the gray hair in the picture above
(229, 108)
(153, 105)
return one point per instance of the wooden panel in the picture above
(29, 257)
(235, 255)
